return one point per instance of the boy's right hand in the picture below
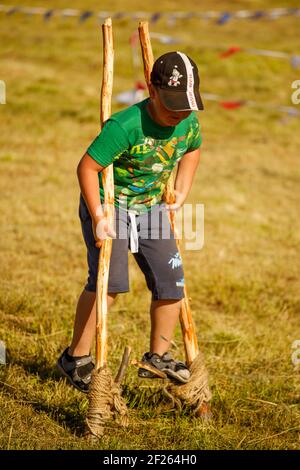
(102, 230)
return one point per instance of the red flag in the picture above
(232, 50)
(139, 85)
(133, 40)
(231, 104)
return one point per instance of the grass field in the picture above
(244, 283)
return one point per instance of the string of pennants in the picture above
(220, 18)
(290, 110)
(294, 59)
(137, 94)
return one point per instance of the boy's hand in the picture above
(102, 230)
(179, 200)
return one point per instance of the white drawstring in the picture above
(134, 240)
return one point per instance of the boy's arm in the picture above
(185, 174)
(87, 172)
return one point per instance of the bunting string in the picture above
(293, 59)
(234, 104)
(220, 18)
(135, 95)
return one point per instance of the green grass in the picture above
(244, 283)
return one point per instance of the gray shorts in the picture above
(156, 255)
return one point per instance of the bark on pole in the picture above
(108, 186)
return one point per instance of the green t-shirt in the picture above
(143, 154)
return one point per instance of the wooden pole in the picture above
(186, 321)
(108, 186)
(147, 53)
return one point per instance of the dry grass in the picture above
(244, 284)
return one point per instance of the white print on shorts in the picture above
(175, 261)
(180, 283)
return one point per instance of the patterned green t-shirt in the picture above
(143, 154)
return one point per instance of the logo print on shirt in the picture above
(149, 141)
(157, 167)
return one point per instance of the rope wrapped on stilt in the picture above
(105, 403)
(196, 392)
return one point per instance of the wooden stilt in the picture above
(186, 320)
(108, 186)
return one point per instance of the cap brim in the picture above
(178, 100)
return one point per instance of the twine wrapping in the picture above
(105, 403)
(194, 393)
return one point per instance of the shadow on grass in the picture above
(69, 416)
(36, 388)
(37, 391)
(41, 369)
(145, 394)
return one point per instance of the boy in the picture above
(144, 142)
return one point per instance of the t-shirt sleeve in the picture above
(109, 144)
(194, 140)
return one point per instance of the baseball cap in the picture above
(176, 78)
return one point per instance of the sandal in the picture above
(173, 369)
(78, 371)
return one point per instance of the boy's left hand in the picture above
(179, 200)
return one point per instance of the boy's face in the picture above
(162, 115)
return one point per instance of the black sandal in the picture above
(173, 369)
(78, 371)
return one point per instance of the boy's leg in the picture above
(164, 317)
(76, 363)
(85, 323)
(161, 264)
(85, 320)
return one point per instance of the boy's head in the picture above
(175, 78)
